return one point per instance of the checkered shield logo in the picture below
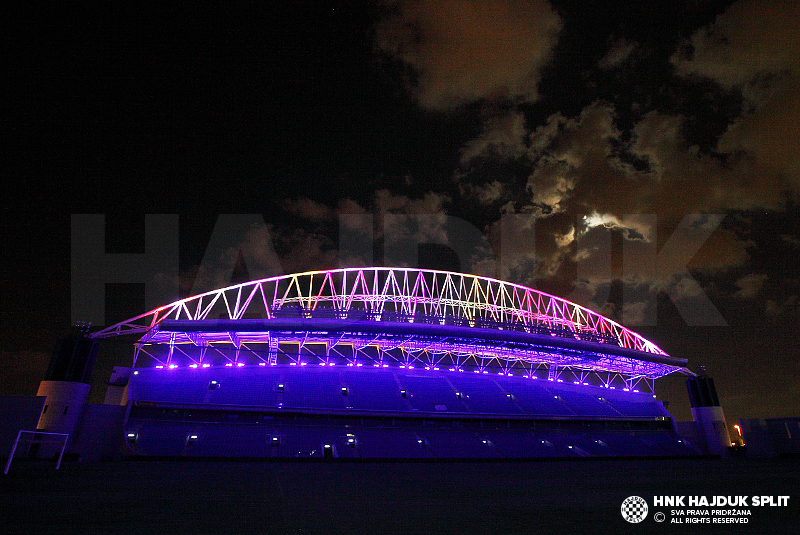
(634, 509)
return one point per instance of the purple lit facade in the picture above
(391, 363)
(396, 317)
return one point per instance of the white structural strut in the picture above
(394, 315)
(381, 290)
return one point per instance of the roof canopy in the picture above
(448, 311)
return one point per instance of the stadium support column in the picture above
(117, 392)
(552, 372)
(273, 350)
(708, 415)
(66, 384)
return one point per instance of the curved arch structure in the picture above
(394, 316)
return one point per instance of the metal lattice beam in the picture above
(399, 296)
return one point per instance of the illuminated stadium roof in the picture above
(396, 316)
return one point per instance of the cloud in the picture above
(771, 135)
(430, 203)
(585, 164)
(618, 54)
(464, 51)
(595, 164)
(398, 221)
(513, 241)
(310, 210)
(503, 135)
(755, 47)
(235, 237)
(301, 250)
(587, 195)
(611, 164)
(491, 192)
(751, 38)
(777, 307)
(750, 285)
(582, 165)
(635, 313)
(408, 223)
(582, 192)
(574, 165)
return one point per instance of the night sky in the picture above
(614, 129)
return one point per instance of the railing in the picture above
(294, 311)
(39, 437)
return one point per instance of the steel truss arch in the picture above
(424, 311)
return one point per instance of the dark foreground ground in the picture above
(449, 497)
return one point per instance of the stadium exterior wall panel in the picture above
(380, 390)
(297, 410)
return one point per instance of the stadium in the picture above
(385, 400)
(389, 363)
